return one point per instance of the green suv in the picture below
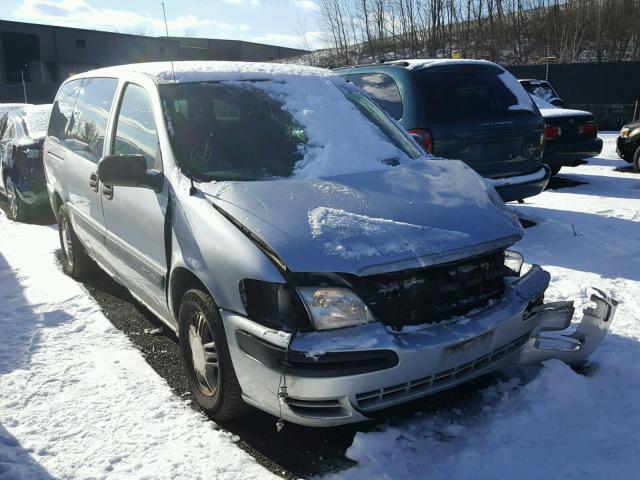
(471, 110)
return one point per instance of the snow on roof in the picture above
(414, 63)
(211, 70)
(550, 110)
(36, 117)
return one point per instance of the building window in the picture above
(80, 43)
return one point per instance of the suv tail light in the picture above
(552, 132)
(423, 137)
(588, 129)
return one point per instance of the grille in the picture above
(435, 293)
(388, 396)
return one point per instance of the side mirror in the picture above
(129, 171)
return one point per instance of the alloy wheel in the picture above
(204, 356)
(67, 244)
(11, 196)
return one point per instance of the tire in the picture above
(75, 260)
(206, 359)
(18, 210)
(555, 170)
(636, 161)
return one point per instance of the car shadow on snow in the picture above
(603, 186)
(20, 324)
(20, 332)
(16, 462)
(42, 216)
(591, 242)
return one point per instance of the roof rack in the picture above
(397, 63)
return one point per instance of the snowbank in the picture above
(77, 400)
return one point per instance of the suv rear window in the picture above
(468, 93)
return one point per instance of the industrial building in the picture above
(44, 55)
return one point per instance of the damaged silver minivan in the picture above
(313, 262)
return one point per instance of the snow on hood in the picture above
(36, 117)
(398, 218)
(350, 235)
(550, 110)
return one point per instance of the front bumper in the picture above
(571, 154)
(516, 188)
(626, 147)
(421, 360)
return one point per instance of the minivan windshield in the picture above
(470, 93)
(261, 130)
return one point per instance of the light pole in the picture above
(24, 87)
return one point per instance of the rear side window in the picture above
(467, 94)
(136, 128)
(62, 110)
(86, 131)
(383, 89)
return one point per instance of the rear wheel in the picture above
(206, 358)
(75, 260)
(18, 210)
(555, 170)
(636, 161)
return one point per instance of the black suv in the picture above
(471, 110)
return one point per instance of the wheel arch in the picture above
(182, 279)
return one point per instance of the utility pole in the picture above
(24, 87)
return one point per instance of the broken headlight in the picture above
(513, 263)
(334, 307)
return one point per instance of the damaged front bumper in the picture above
(341, 376)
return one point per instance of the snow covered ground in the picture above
(77, 400)
(559, 424)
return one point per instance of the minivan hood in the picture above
(430, 212)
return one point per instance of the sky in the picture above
(277, 22)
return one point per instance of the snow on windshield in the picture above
(37, 119)
(350, 235)
(340, 138)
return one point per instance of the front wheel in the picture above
(206, 358)
(17, 208)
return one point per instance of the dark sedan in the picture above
(628, 145)
(22, 180)
(571, 136)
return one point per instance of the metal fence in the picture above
(609, 90)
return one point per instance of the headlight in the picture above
(332, 307)
(627, 132)
(513, 263)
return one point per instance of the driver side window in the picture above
(136, 127)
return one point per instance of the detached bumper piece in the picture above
(575, 348)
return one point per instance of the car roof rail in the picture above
(396, 63)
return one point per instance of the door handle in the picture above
(107, 191)
(93, 181)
